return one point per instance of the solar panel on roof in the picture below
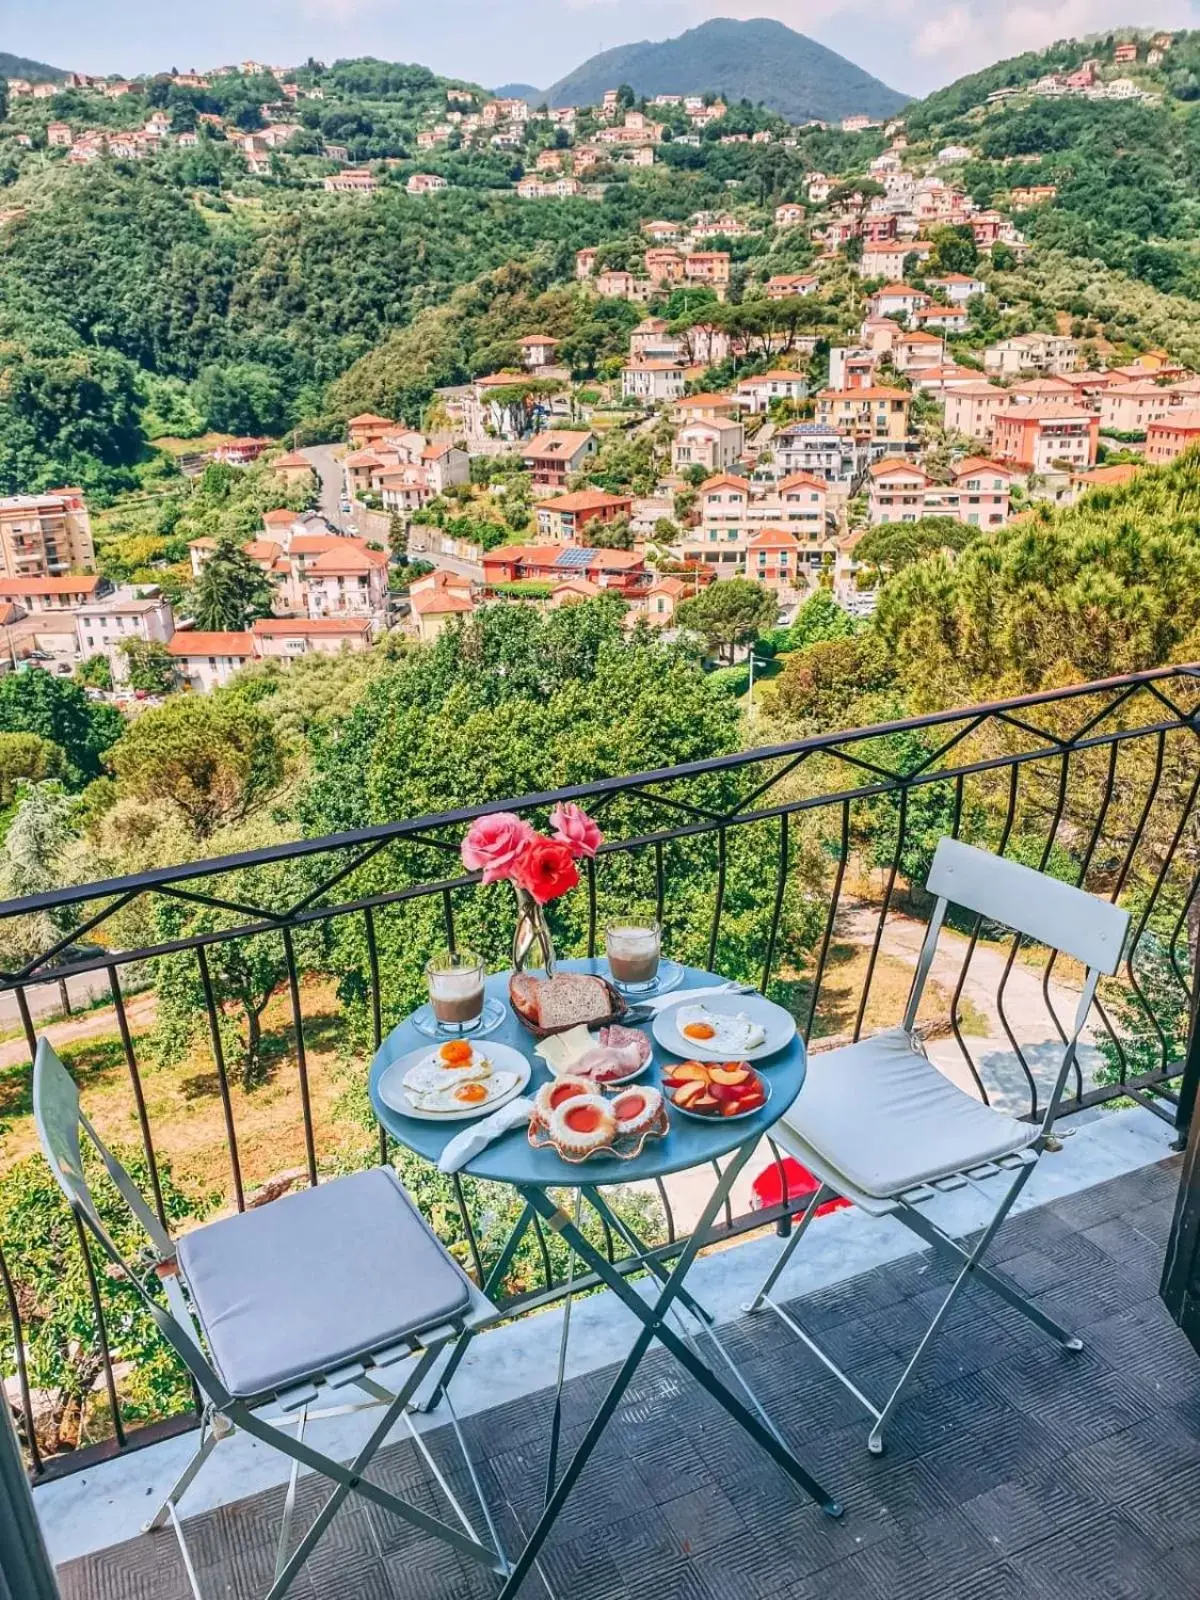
(575, 557)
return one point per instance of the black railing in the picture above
(798, 866)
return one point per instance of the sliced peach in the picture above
(703, 1102)
(730, 1075)
(694, 1070)
(752, 1104)
(688, 1092)
(723, 1092)
(733, 1108)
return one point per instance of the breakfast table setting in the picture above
(579, 1075)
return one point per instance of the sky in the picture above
(914, 45)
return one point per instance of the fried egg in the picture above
(715, 1030)
(471, 1096)
(431, 1073)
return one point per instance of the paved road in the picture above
(329, 470)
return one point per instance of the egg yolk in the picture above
(456, 1053)
(471, 1093)
(698, 1030)
(582, 1119)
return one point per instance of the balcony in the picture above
(795, 867)
(1015, 1471)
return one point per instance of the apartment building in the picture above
(567, 517)
(971, 408)
(552, 457)
(714, 445)
(106, 622)
(1167, 437)
(654, 382)
(1131, 407)
(50, 594)
(1037, 438)
(900, 491)
(758, 393)
(45, 535)
(877, 413)
(817, 451)
(734, 513)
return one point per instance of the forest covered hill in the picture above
(760, 60)
(22, 67)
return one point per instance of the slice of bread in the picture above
(572, 997)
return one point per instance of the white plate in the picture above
(503, 1057)
(778, 1024)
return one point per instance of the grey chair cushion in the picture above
(316, 1279)
(882, 1114)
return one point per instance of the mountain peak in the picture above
(759, 59)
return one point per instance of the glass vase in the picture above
(532, 946)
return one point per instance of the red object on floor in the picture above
(767, 1188)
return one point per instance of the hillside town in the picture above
(758, 425)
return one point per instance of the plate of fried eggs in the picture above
(454, 1082)
(733, 1027)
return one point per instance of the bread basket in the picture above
(616, 1012)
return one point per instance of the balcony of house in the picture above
(1013, 1465)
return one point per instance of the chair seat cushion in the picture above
(882, 1114)
(316, 1279)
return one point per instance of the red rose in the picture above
(546, 868)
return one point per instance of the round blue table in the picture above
(512, 1159)
(689, 1143)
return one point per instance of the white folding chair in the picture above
(325, 1292)
(878, 1124)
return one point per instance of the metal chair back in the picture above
(1044, 909)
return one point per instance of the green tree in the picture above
(27, 758)
(94, 673)
(231, 591)
(150, 666)
(212, 757)
(398, 537)
(58, 711)
(614, 535)
(954, 249)
(730, 612)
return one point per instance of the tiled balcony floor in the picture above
(1014, 1471)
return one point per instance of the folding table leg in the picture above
(651, 1316)
(704, 1318)
(494, 1278)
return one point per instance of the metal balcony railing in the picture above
(791, 865)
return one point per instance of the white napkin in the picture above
(465, 1146)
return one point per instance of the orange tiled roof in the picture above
(188, 642)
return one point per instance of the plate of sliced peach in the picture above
(711, 1090)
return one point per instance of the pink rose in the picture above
(493, 845)
(576, 830)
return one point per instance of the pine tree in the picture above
(230, 591)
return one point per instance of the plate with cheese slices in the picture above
(609, 1055)
(455, 1082)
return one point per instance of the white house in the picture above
(655, 382)
(209, 660)
(756, 394)
(103, 625)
